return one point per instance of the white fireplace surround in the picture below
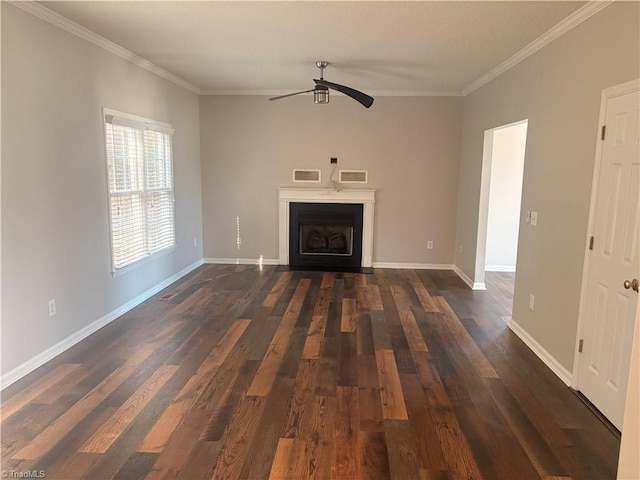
(326, 195)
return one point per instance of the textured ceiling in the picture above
(378, 47)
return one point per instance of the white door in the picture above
(610, 308)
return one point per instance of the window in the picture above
(140, 187)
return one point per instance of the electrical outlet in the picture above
(534, 218)
(430, 245)
(527, 216)
(531, 300)
(460, 248)
(52, 307)
(195, 241)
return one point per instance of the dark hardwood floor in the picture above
(247, 372)
(500, 288)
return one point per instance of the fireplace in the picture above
(363, 199)
(325, 234)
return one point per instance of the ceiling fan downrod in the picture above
(322, 65)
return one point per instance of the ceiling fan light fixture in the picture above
(321, 95)
(321, 90)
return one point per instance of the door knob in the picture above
(633, 284)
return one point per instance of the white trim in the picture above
(606, 95)
(548, 359)
(59, 21)
(373, 93)
(499, 268)
(275, 261)
(414, 266)
(466, 279)
(413, 93)
(483, 206)
(1, 203)
(52, 352)
(116, 272)
(140, 124)
(573, 20)
(135, 121)
(308, 170)
(286, 195)
(242, 261)
(341, 180)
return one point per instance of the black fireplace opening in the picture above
(325, 234)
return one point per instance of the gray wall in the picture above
(423, 156)
(55, 233)
(410, 146)
(558, 89)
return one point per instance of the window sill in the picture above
(142, 261)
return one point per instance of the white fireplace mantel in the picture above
(325, 195)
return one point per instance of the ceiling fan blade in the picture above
(363, 98)
(291, 94)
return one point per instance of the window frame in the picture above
(143, 124)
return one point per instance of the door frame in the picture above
(607, 94)
(483, 209)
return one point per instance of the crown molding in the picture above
(573, 20)
(264, 92)
(59, 21)
(373, 93)
(413, 93)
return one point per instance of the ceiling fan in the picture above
(321, 90)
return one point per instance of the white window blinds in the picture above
(140, 186)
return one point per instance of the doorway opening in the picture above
(500, 203)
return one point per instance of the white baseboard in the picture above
(416, 266)
(42, 358)
(499, 268)
(549, 360)
(243, 261)
(399, 265)
(466, 279)
(275, 261)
